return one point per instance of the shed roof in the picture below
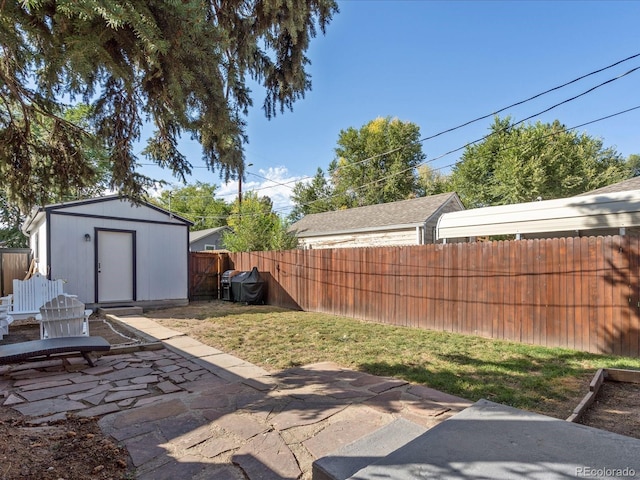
(37, 213)
(401, 214)
(580, 213)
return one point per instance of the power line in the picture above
(387, 177)
(483, 117)
(521, 102)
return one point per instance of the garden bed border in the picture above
(601, 376)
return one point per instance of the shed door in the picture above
(115, 266)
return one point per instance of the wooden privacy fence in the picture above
(578, 293)
(205, 269)
(14, 264)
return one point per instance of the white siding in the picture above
(160, 255)
(371, 239)
(162, 262)
(38, 245)
(117, 208)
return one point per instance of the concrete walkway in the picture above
(186, 410)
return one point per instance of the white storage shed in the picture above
(610, 213)
(112, 252)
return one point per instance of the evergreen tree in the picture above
(183, 66)
(312, 197)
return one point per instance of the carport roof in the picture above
(608, 210)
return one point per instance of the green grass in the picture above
(546, 380)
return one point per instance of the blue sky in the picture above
(440, 64)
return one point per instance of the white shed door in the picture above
(115, 266)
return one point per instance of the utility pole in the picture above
(240, 175)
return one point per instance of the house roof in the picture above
(623, 186)
(580, 213)
(404, 213)
(200, 234)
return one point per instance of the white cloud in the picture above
(275, 182)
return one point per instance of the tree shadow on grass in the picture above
(525, 381)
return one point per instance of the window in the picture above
(210, 247)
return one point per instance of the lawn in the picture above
(550, 381)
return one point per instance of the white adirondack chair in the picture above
(5, 321)
(63, 316)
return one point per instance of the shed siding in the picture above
(116, 208)
(160, 276)
(38, 245)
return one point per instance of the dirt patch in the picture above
(112, 332)
(70, 449)
(616, 409)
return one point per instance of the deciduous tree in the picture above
(376, 163)
(197, 202)
(520, 163)
(256, 227)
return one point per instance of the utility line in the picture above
(375, 182)
(483, 117)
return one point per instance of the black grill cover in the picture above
(248, 287)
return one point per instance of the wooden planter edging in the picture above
(601, 376)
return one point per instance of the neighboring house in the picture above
(111, 252)
(209, 239)
(613, 210)
(406, 222)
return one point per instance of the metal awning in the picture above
(574, 214)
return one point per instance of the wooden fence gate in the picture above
(205, 270)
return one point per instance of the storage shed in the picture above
(112, 252)
(610, 213)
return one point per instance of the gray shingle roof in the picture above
(623, 186)
(402, 213)
(198, 234)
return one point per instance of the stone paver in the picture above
(192, 412)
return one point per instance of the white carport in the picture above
(603, 214)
